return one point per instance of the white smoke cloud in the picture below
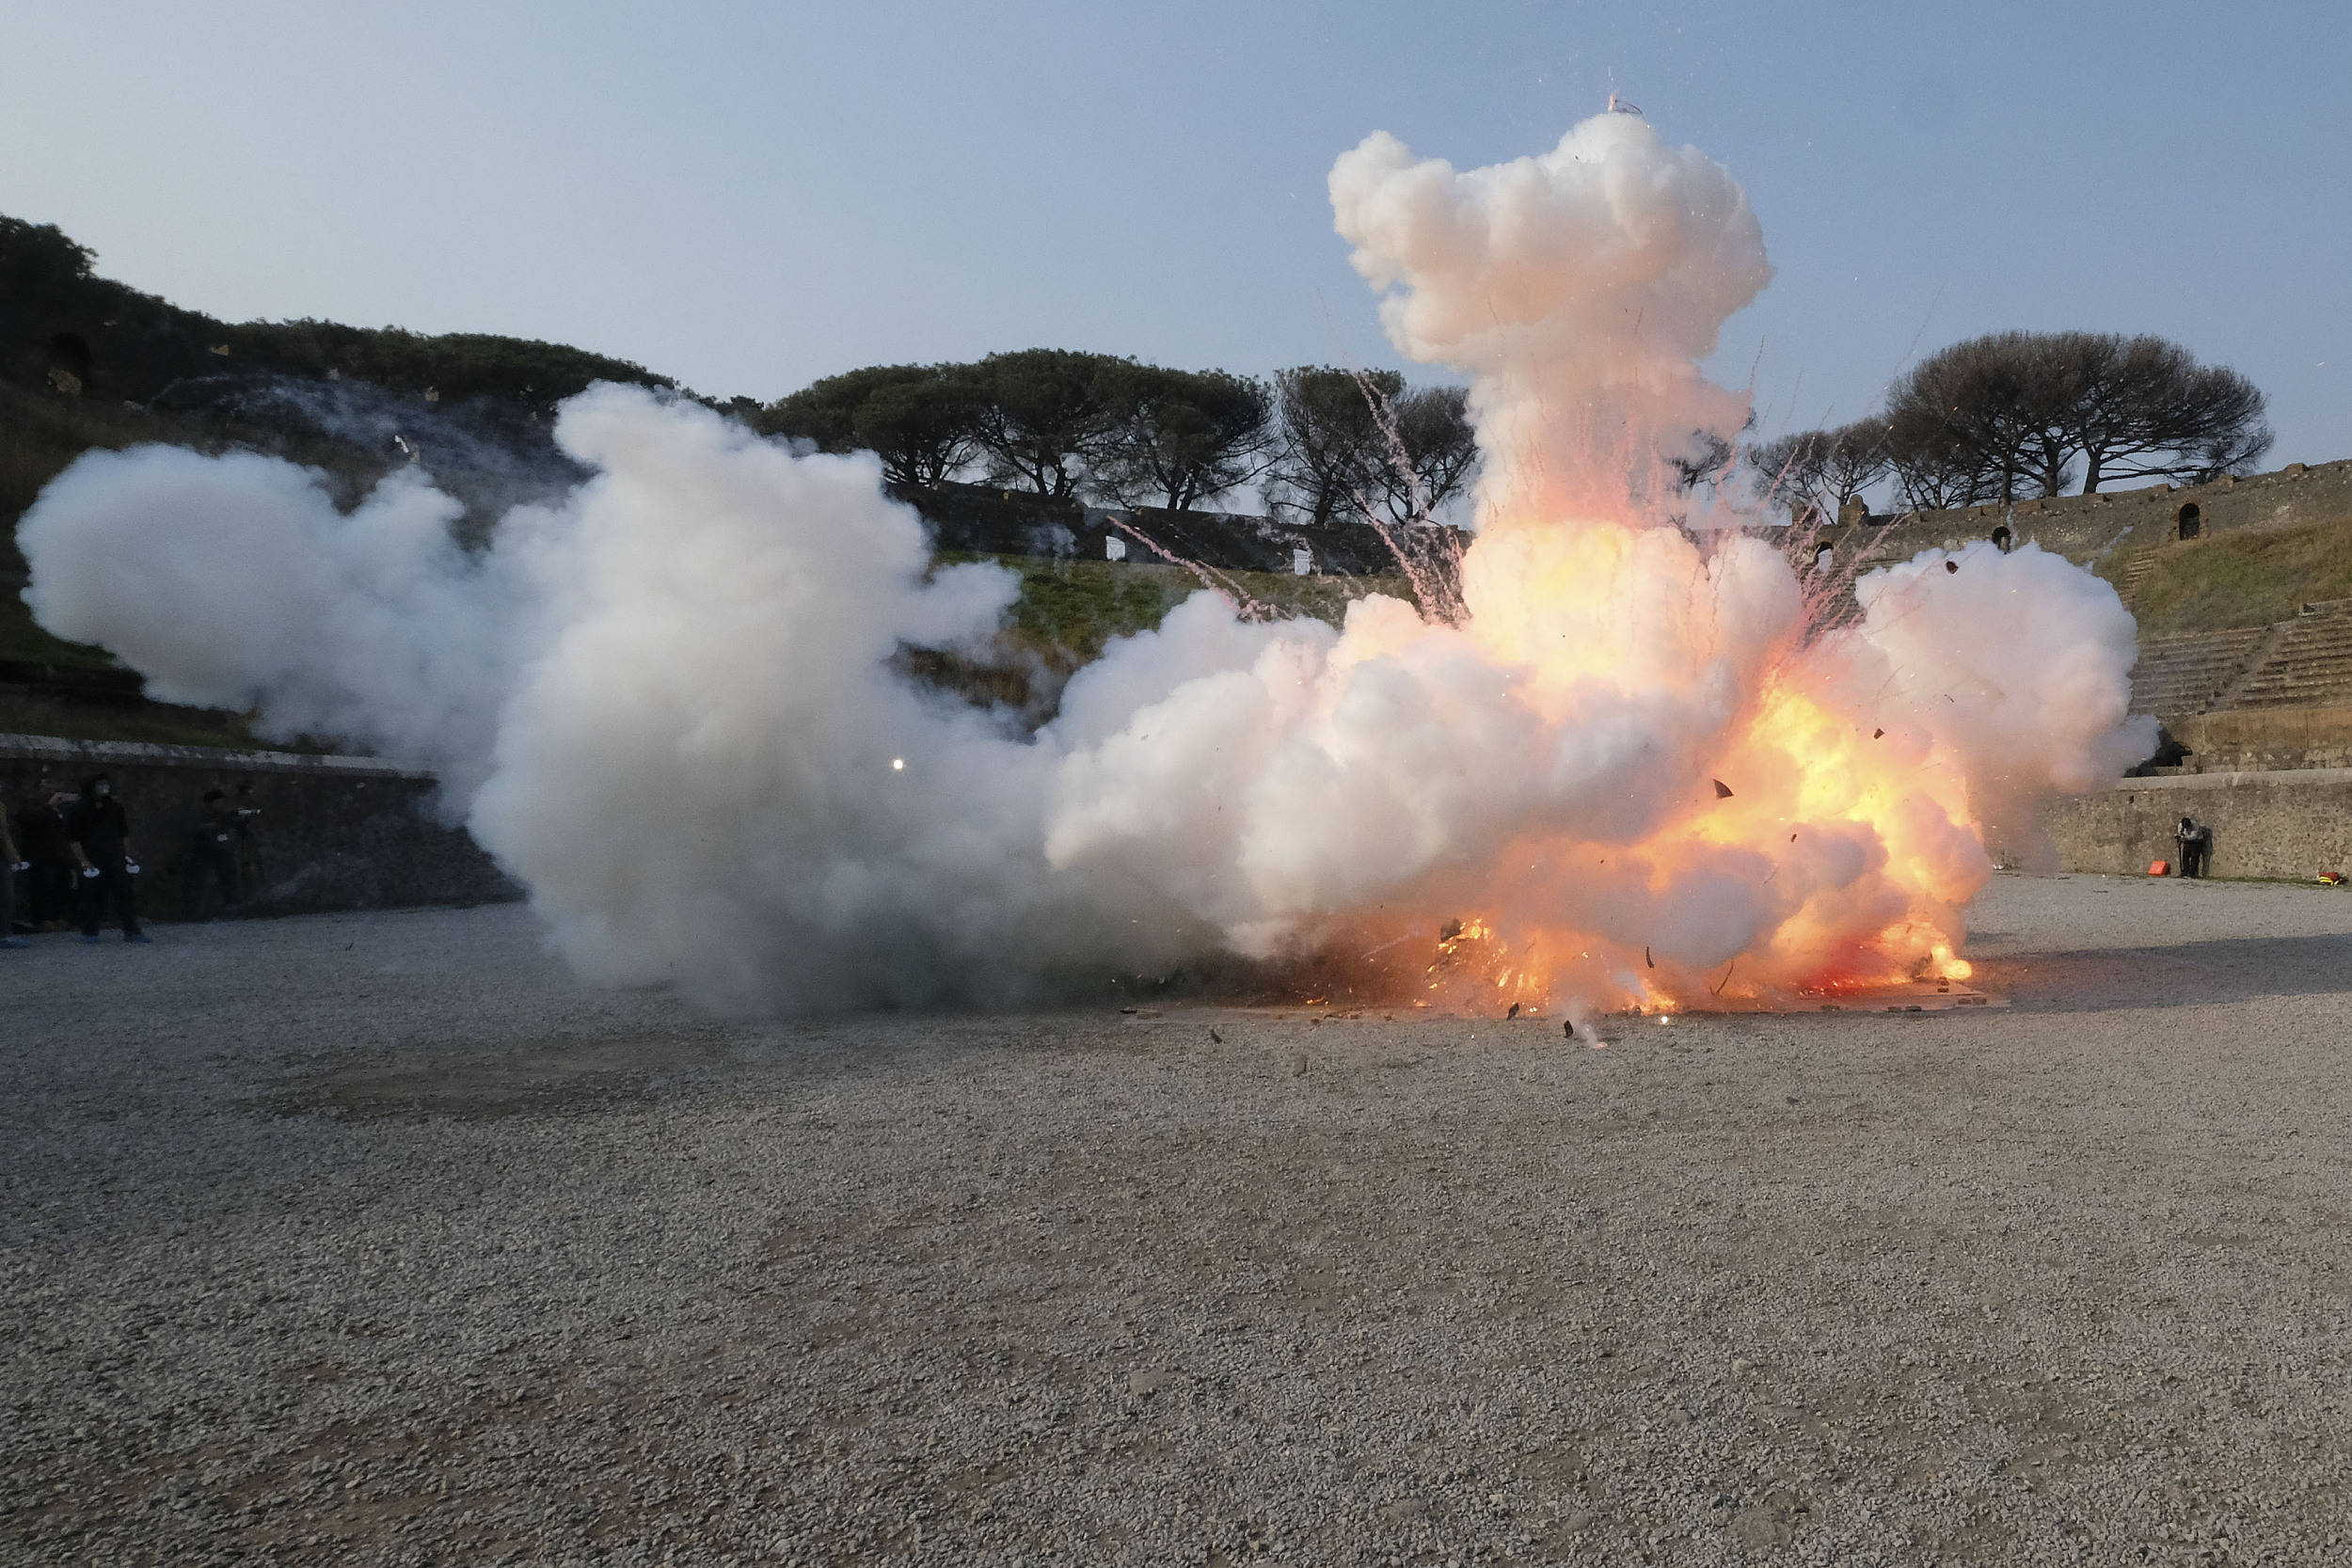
(1579, 289)
(669, 704)
(2026, 703)
(234, 582)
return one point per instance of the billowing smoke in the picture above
(1579, 290)
(491, 454)
(1635, 773)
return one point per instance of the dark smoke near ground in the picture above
(490, 454)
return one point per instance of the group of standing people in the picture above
(72, 855)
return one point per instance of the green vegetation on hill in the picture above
(86, 362)
(1070, 610)
(62, 324)
(2245, 579)
(39, 433)
(456, 365)
(151, 723)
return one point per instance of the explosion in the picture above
(1629, 767)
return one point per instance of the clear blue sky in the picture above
(748, 196)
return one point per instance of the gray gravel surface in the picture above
(376, 1240)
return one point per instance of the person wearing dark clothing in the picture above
(249, 844)
(100, 830)
(212, 856)
(2196, 846)
(9, 868)
(43, 843)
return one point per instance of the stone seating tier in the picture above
(2311, 667)
(2185, 674)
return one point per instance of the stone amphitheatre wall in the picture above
(331, 833)
(2287, 826)
(2089, 528)
(2265, 694)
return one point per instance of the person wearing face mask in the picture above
(100, 830)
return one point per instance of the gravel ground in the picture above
(375, 1240)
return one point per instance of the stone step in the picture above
(2198, 638)
(2303, 662)
(2179, 675)
(2267, 690)
(2196, 656)
(2311, 650)
(2189, 655)
(2302, 665)
(2217, 669)
(2334, 630)
(2326, 675)
(2332, 643)
(2328, 698)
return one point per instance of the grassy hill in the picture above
(2249, 579)
(86, 362)
(63, 327)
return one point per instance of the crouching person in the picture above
(2195, 842)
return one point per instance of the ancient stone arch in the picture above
(2191, 520)
(69, 361)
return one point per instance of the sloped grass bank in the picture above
(2244, 579)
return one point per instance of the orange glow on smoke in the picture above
(1834, 825)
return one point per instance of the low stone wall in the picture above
(2291, 825)
(2086, 527)
(2258, 739)
(332, 832)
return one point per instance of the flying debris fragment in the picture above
(1619, 107)
(1951, 565)
(1722, 790)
